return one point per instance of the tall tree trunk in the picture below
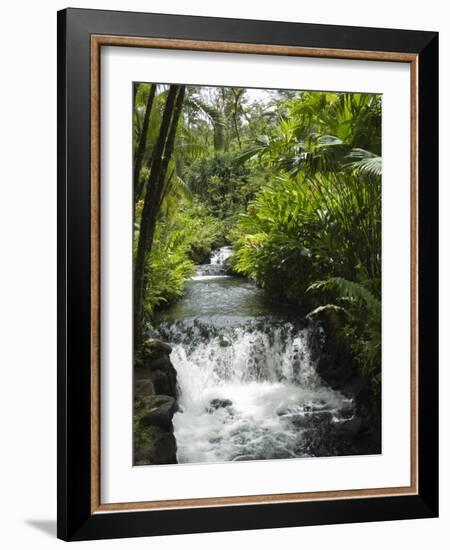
(140, 151)
(170, 142)
(135, 89)
(237, 94)
(153, 193)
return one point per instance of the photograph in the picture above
(247, 271)
(257, 273)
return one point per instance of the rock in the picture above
(154, 442)
(333, 363)
(153, 346)
(224, 343)
(298, 420)
(346, 413)
(352, 427)
(337, 368)
(160, 362)
(311, 420)
(164, 449)
(143, 389)
(161, 409)
(155, 394)
(154, 365)
(160, 447)
(218, 403)
(151, 364)
(165, 381)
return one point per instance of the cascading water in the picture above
(221, 255)
(248, 386)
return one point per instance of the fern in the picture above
(362, 328)
(355, 292)
(327, 307)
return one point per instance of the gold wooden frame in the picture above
(97, 41)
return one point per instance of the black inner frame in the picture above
(75, 521)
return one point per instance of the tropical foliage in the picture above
(313, 232)
(292, 180)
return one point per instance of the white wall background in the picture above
(28, 274)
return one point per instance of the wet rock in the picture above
(297, 420)
(217, 403)
(160, 362)
(165, 381)
(153, 346)
(346, 413)
(155, 394)
(309, 420)
(164, 449)
(333, 363)
(143, 388)
(153, 364)
(337, 368)
(161, 409)
(224, 343)
(351, 428)
(159, 447)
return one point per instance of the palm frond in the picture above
(321, 309)
(354, 291)
(365, 162)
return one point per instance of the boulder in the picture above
(143, 389)
(164, 449)
(352, 427)
(161, 409)
(159, 447)
(223, 343)
(218, 403)
(155, 394)
(151, 364)
(153, 346)
(165, 381)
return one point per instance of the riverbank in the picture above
(254, 380)
(154, 404)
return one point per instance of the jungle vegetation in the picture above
(291, 180)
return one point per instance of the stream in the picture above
(248, 386)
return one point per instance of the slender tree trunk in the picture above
(237, 131)
(135, 89)
(140, 151)
(153, 193)
(171, 139)
(237, 96)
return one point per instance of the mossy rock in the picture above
(143, 388)
(165, 381)
(153, 445)
(159, 412)
(152, 363)
(153, 346)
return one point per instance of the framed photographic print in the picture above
(247, 274)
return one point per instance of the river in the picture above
(248, 386)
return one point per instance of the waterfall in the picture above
(248, 385)
(221, 255)
(217, 264)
